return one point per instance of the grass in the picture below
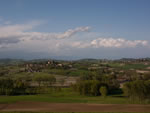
(65, 96)
(64, 99)
(128, 66)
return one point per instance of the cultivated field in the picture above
(67, 107)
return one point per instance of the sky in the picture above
(74, 29)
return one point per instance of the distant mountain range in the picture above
(8, 61)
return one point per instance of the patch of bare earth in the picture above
(142, 71)
(148, 67)
(72, 107)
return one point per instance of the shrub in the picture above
(103, 90)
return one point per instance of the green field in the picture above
(128, 66)
(66, 95)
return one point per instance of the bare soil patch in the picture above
(148, 67)
(72, 107)
(142, 71)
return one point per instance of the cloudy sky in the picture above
(74, 29)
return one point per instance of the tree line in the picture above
(137, 90)
(26, 85)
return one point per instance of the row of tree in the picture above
(26, 85)
(137, 90)
(12, 87)
(91, 87)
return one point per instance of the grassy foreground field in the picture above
(67, 101)
(66, 95)
(64, 99)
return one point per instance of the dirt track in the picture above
(72, 107)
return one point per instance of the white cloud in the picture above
(47, 36)
(21, 31)
(4, 46)
(71, 32)
(10, 34)
(40, 41)
(109, 43)
(7, 22)
(117, 43)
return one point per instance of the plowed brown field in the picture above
(72, 107)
